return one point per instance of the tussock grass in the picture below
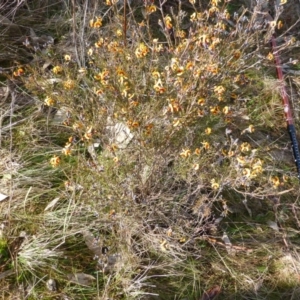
(144, 164)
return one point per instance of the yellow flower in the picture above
(185, 153)
(158, 87)
(176, 122)
(225, 110)
(67, 149)
(99, 43)
(116, 159)
(97, 23)
(208, 131)
(89, 133)
(227, 14)
(214, 110)
(55, 161)
(270, 56)
(279, 24)
(205, 145)
(174, 106)
(214, 184)
(168, 22)
(49, 101)
(213, 10)
(247, 172)
(189, 65)
(82, 71)
(133, 124)
(158, 48)
(195, 17)
(142, 24)
(90, 52)
(111, 2)
(245, 147)
(257, 167)
(201, 101)
(237, 54)
(164, 246)
(241, 160)
(251, 128)
(219, 89)
(67, 57)
(113, 147)
(103, 77)
(213, 69)
(197, 151)
(69, 84)
(174, 63)
(141, 51)
(200, 113)
(150, 9)
(181, 34)
(119, 33)
(155, 74)
(196, 72)
(275, 181)
(149, 128)
(57, 69)
(230, 153)
(77, 126)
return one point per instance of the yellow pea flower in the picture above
(141, 51)
(205, 145)
(245, 147)
(49, 101)
(214, 184)
(55, 161)
(275, 181)
(168, 22)
(208, 131)
(185, 153)
(57, 69)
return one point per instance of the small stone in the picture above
(51, 285)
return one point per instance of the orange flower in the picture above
(18, 72)
(214, 110)
(197, 151)
(97, 23)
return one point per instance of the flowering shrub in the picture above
(163, 125)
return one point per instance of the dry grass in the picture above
(151, 166)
